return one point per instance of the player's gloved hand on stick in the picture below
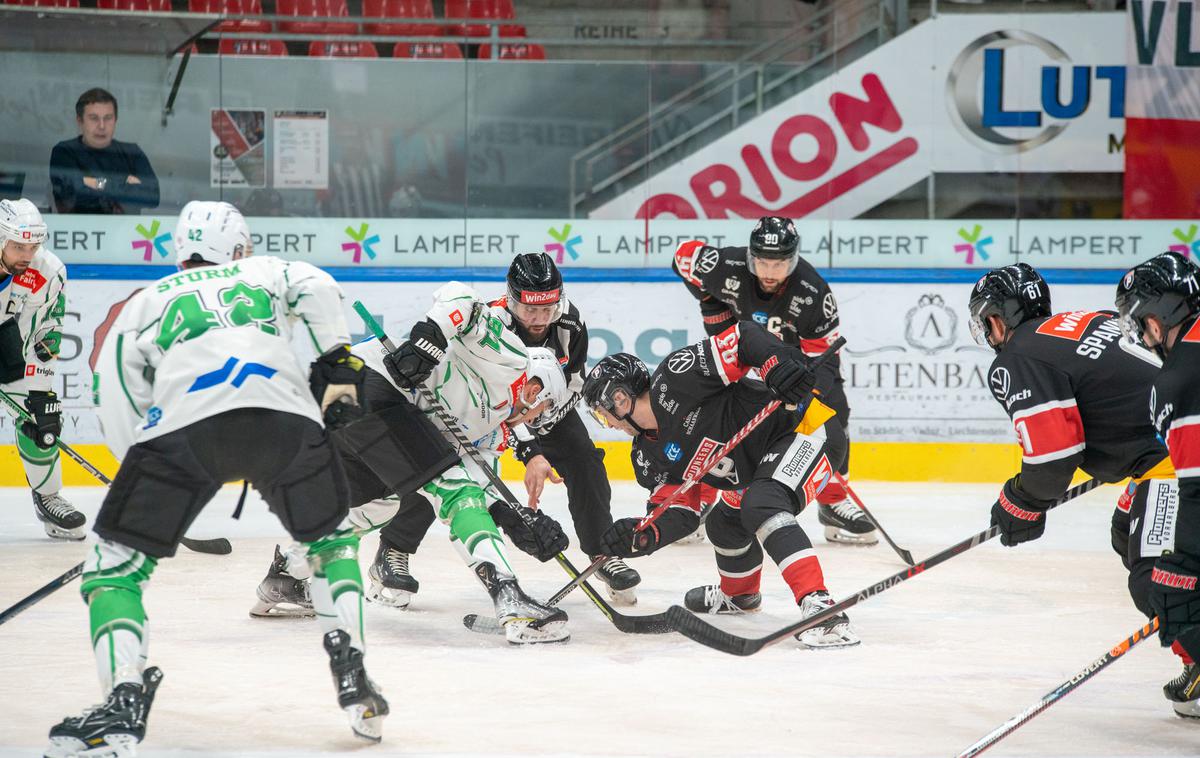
(46, 423)
(414, 361)
(624, 541)
(542, 537)
(336, 379)
(1019, 519)
(1175, 596)
(790, 380)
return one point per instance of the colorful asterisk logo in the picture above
(1190, 246)
(563, 241)
(361, 242)
(152, 241)
(975, 245)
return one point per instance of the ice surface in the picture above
(945, 657)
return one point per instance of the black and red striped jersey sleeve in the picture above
(1175, 411)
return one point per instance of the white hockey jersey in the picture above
(38, 301)
(484, 368)
(213, 339)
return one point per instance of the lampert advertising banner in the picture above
(1037, 92)
(912, 372)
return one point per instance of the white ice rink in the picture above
(945, 657)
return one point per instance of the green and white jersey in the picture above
(213, 339)
(484, 367)
(37, 299)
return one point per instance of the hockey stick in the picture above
(655, 624)
(1061, 691)
(904, 554)
(40, 593)
(218, 546)
(699, 630)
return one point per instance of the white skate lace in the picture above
(716, 600)
(397, 561)
(616, 566)
(848, 510)
(56, 505)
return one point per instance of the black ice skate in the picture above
(846, 523)
(358, 696)
(281, 595)
(619, 579)
(110, 730)
(390, 582)
(525, 620)
(834, 632)
(1184, 692)
(710, 599)
(59, 518)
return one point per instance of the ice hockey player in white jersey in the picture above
(32, 303)
(466, 355)
(197, 386)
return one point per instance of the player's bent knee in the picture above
(767, 501)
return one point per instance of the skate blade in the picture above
(57, 533)
(365, 723)
(1188, 710)
(112, 746)
(519, 632)
(264, 609)
(622, 597)
(826, 639)
(843, 537)
(390, 598)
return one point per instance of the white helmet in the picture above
(546, 368)
(212, 232)
(21, 221)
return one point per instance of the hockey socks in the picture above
(792, 551)
(740, 568)
(337, 586)
(113, 577)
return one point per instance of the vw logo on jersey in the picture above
(709, 257)
(829, 306)
(759, 318)
(1000, 381)
(681, 362)
(673, 451)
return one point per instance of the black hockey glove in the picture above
(541, 537)
(790, 380)
(12, 352)
(1175, 596)
(46, 424)
(623, 541)
(1019, 519)
(414, 361)
(336, 380)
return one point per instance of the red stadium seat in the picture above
(488, 10)
(252, 47)
(139, 6)
(514, 51)
(430, 50)
(315, 8)
(43, 3)
(401, 9)
(355, 49)
(233, 8)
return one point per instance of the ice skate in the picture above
(59, 518)
(619, 580)
(389, 580)
(846, 523)
(525, 621)
(110, 730)
(833, 633)
(359, 697)
(281, 595)
(710, 599)
(1184, 692)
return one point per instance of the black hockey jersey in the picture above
(1175, 413)
(701, 397)
(1077, 399)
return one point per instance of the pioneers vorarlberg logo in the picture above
(976, 88)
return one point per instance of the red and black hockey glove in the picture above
(1020, 519)
(624, 541)
(790, 380)
(1175, 597)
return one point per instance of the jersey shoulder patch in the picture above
(1070, 325)
(32, 280)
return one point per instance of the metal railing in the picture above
(765, 76)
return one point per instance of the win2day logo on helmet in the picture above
(151, 242)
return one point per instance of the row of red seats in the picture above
(363, 49)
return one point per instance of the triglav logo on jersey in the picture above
(563, 243)
(152, 242)
(973, 244)
(360, 242)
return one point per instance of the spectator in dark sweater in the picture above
(94, 173)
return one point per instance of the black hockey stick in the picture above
(40, 593)
(904, 554)
(1061, 691)
(699, 630)
(475, 622)
(218, 546)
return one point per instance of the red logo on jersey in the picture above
(30, 369)
(705, 450)
(1193, 334)
(456, 317)
(1069, 326)
(816, 481)
(31, 280)
(539, 298)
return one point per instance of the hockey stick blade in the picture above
(700, 630)
(217, 546)
(905, 555)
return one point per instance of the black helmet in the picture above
(1165, 287)
(619, 371)
(773, 237)
(1015, 293)
(533, 279)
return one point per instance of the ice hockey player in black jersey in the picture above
(696, 400)
(1077, 398)
(1159, 306)
(767, 282)
(556, 447)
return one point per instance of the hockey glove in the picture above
(414, 361)
(1019, 519)
(46, 423)
(790, 380)
(336, 380)
(1175, 596)
(624, 541)
(47, 349)
(541, 536)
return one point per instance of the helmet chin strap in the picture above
(628, 419)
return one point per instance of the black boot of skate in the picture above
(59, 518)
(710, 599)
(619, 580)
(845, 523)
(1184, 692)
(390, 582)
(525, 620)
(281, 595)
(357, 694)
(111, 730)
